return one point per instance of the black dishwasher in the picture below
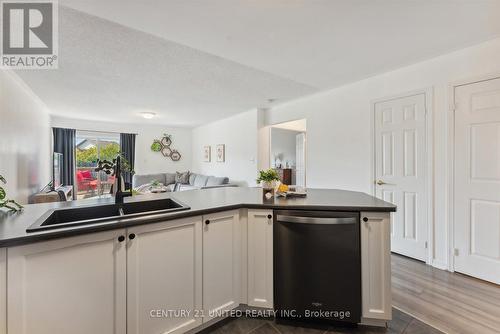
(317, 266)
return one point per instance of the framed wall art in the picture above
(221, 153)
(207, 150)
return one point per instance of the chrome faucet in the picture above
(119, 193)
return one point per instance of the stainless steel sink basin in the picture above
(91, 215)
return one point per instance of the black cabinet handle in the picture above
(121, 238)
(131, 236)
(207, 222)
(269, 216)
(365, 219)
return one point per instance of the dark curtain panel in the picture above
(127, 147)
(64, 143)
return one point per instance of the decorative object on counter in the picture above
(6, 203)
(207, 153)
(290, 191)
(221, 152)
(163, 145)
(268, 178)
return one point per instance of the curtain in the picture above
(127, 147)
(64, 143)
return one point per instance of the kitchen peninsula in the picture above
(221, 251)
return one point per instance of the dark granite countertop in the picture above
(13, 226)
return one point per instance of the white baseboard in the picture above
(440, 265)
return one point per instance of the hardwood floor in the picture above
(451, 302)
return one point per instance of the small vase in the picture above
(268, 191)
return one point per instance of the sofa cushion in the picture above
(192, 177)
(216, 181)
(187, 187)
(169, 178)
(139, 180)
(171, 187)
(182, 178)
(200, 181)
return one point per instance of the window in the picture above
(91, 146)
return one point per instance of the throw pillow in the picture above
(182, 177)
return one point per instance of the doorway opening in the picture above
(288, 151)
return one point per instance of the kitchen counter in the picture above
(13, 226)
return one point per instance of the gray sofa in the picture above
(196, 181)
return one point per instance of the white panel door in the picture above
(260, 258)
(400, 170)
(164, 272)
(73, 285)
(221, 263)
(477, 180)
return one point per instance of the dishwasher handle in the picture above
(316, 220)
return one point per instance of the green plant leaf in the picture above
(2, 193)
(156, 146)
(2, 179)
(268, 176)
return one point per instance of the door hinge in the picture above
(455, 252)
(426, 245)
(454, 106)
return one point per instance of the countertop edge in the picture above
(151, 219)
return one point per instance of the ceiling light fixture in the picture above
(148, 115)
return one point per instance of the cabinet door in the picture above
(73, 285)
(260, 258)
(376, 265)
(3, 290)
(164, 275)
(221, 263)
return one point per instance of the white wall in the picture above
(283, 143)
(25, 138)
(339, 142)
(240, 135)
(146, 161)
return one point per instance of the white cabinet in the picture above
(3, 290)
(164, 264)
(260, 258)
(376, 266)
(73, 285)
(221, 263)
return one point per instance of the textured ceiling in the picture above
(112, 73)
(194, 61)
(323, 43)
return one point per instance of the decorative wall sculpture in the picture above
(163, 145)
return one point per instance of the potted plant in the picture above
(6, 203)
(268, 178)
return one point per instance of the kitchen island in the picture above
(169, 272)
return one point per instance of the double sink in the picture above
(92, 215)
